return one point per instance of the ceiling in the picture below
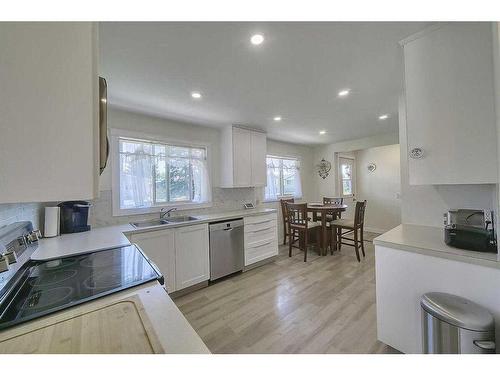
(295, 73)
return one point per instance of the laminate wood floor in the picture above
(326, 305)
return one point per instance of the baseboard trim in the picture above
(189, 289)
(375, 230)
(259, 263)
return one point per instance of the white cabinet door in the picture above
(48, 111)
(191, 255)
(450, 109)
(159, 246)
(259, 150)
(242, 157)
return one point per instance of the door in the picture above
(347, 184)
(159, 246)
(242, 157)
(259, 151)
(191, 255)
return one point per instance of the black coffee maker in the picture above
(74, 216)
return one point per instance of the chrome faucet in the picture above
(166, 213)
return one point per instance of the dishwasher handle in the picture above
(228, 229)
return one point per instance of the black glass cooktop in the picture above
(58, 284)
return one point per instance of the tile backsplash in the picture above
(223, 200)
(12, 212)
(101, 210)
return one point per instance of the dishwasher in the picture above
(226, 248)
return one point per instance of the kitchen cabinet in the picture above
(243, 157)
(181, 254)
(48, 111)
(191, 256)
(159, 246)
(450, 105)
(261, 238)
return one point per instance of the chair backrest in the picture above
(359, 213)
(297, 214)
(283, 202)
(337, 201)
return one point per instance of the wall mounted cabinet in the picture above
(48, 111)
(243, 157)
(450, 105)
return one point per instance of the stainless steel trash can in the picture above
(453, 325)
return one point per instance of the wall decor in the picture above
(371, 167)
(323, 167)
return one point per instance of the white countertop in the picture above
(114, 236)
(430, 241)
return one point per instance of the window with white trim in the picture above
(283, 178)
(346, 177)
(154, 174)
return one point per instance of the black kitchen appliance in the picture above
(74, 216)
(31, 289)
(470, 230)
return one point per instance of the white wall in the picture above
(328, 187)
(223, 199)
(425, 205)
(381, 188)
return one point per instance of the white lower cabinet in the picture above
(191, 256)
(261, 238)
(181, 254)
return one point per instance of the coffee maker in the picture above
(470, 230)
(74, 216)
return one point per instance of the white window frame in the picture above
(116, 134)
(339, 176)
(281, 180)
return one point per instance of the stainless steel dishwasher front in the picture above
(226, 248)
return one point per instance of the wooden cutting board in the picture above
(120, 327)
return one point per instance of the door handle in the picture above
(485, 344)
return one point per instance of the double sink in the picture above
(166, 221)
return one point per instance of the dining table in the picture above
(325, 209)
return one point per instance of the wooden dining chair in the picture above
(356, 226)
(337, 201)
(286, 233)
(299, 222)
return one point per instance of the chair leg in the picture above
(284, 237)
(356, 245)
(339, 239)
(290, 242)
(362, 242)
(305, 246)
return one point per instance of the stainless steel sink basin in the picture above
(149, 223)
(180, 219)
(170, 220)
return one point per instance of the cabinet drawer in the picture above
(260, 251)
(256, 223)
(259, 235)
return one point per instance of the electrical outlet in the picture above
(487, 216)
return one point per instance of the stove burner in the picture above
(106, 280)
(100, 260)
(52, 278)
(57, 263)
(46, 299)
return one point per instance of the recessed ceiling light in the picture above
(277, 118)
(196, 95)
(383, 117)
(322, 132)
(344, 92)
(257, 39)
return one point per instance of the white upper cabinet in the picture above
(450, 105)
(48, 111)
(243, 157)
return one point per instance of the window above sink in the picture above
(151, 173)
